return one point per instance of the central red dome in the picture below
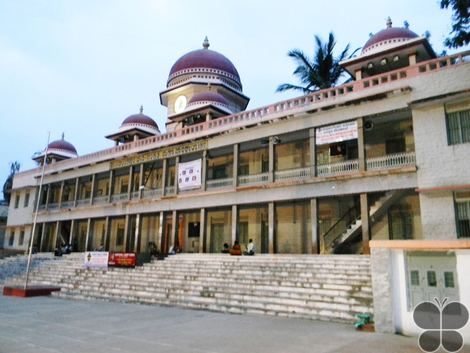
(204, 61)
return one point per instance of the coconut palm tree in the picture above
(323, 71)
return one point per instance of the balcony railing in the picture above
(119, 197)
(253, 179)
(100, 199)
(135, 195)
(390, 161)
(67, 204)
(293, 174)
(341, 168)
(169, 190)
(219, 183)
(53, 206)
(152, 193)
(83, 202)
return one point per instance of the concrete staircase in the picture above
(46, 269)
(377, 210)
(14, 266)
(331, 287)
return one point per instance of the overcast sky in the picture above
(81, 67)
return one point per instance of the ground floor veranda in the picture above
(341, 224)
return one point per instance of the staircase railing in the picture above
(340, 226)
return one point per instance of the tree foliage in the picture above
(14, 168)
(460, 34)
(322, 71)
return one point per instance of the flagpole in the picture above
(33, 231)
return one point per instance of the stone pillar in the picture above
(271, 160)
(93, 182)
(43, 232)
(131, 182)
(203, 170)
(358, 74)
(48, 194)
(315, 243)
(202, 227)
(107, 224)
(88, 231)
(234, 223)
(365, 224)
(360, 144)
(412, 59)
(141, 180)
(165, 162)
(235, 165)
(271, 227)
(75, 197)
(111, 185)
(160, 232)
(61, 192)
(313, 152)
(56, 234)
(174, 221)
(126, 232)
(72, 229)
(137, 233)
(382, 274)
(177, 162)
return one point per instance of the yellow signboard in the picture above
(161, 153)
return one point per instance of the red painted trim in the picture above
(444, 188)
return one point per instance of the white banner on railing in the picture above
(96, 259)
(336, 133)
(189, 175)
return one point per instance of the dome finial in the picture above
(389, 22)
(205, 44)
(141, 109)
(63, 135)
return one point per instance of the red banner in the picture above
(121, 259)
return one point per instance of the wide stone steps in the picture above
(307, 281)
(315, 297)
(315, 287)
(228, 303)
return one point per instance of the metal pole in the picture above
(33, 231)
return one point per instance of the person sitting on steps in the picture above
(225, 249)
(250, 249)
(236, 249)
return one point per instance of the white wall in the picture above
(402, 317)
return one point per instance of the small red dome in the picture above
(389, 35)
(140, 119)
(208, 97)
(62, 145)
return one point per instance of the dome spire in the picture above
(205, 44)
(389, 22)
(63, 135)
(141, 109)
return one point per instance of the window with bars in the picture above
(458, 127)
(462, 210)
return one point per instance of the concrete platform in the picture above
(30, 291)
(47, 324)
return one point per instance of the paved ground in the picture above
(52, 325)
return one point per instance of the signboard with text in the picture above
(189, 175)
(121, 259)
(96, 259)
(336, 133)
